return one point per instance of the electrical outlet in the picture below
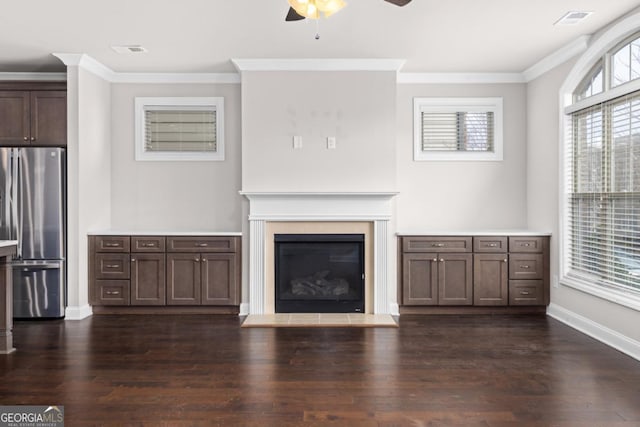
(297, 142)
(331, 142)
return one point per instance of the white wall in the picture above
(358, 108)
(608, 321)
(89, 176)
(463, 195)
(174, 196)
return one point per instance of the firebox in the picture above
(319, 273)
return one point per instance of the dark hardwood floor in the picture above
(205, 370)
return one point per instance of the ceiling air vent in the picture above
(129, 49)
(573, 18)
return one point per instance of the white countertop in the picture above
(441, 233)
(5, 243)
(162, 233)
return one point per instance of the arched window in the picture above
(601, 229)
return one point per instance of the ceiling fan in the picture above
(301, 9)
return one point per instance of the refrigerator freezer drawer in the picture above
(38, 290)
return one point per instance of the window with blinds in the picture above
(604, 194)
(458, 129)
(601, 232)
(179, 129)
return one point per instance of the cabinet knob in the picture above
(197, 259)
(435, 260)
(441, 260)
(133, 260)
(506, 260)
(33, 138)
(26, 138)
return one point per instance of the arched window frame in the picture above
(600, 52)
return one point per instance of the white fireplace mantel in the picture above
(375, 207)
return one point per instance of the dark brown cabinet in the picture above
(437, 278)
(485, 271)
(33, 117)
(164, 271)
(202, 271)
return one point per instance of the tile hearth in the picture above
(293, 320)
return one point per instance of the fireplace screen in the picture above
(319, 273)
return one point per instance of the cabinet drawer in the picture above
(112, 292)
(112, 244)
(526, 292)
(201, 244)
(147, 244)
(490, 244)
(112, 266)
(525, 244)
(525, 266)
(436, 244)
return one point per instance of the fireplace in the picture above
(319, 273)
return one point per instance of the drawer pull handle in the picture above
(525, 267)
(526, 244)
(113, 292)
(112, 245)
(492, 245)
(524, 292)
(202, 245)
(148, 245)
(438, 245)
(112, 265)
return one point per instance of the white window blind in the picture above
(172, 129)
(603, 206)
(457, 129)
(180, 130)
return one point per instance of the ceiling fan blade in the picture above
(399, 2)
(293, 15)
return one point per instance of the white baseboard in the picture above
(78, 313)
(595, 330)
(244, 309)
(394, 309)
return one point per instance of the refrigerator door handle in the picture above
(32, 266)
(16, 222)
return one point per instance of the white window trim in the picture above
(594, 53)
(214, 102)
(446, 105)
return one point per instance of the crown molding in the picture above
(88, 63)
(557, 58)
(459, 78)
(44, 77)
(317, 64)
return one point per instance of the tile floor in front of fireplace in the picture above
(319, 320)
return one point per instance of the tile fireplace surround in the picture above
(363, 213)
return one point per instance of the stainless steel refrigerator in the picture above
(32, 211)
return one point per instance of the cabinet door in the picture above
(490, 279)
(183, 281)
(148, 285)
(420, 279)
(49, 118)
(219, 279)
(455, 279)
(14, 114)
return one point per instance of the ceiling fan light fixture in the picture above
(312, 8)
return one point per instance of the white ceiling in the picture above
(203, 35)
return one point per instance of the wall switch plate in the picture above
(297, 142)
(331, 142)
